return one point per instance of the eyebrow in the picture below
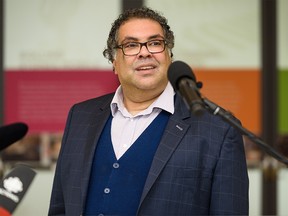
(130, 38)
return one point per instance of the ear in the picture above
(114, 66)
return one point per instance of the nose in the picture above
(144, 51)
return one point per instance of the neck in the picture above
(140, 100)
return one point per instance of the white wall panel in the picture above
(209, 33)
(57, 33)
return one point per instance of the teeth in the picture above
(145, 68)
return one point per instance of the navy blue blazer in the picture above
(199, 167)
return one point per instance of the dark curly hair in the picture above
(145, 13)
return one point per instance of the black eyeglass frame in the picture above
(141, 45)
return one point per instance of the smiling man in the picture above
(140, 151)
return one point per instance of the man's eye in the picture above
(130, 45)
(155, 43)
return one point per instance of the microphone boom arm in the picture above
(228, 117)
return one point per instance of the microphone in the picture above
(183, 80)
(12, 133)
(13, 188)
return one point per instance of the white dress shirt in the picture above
(126, 128)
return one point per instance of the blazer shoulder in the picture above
(183, 112)
(101, 101)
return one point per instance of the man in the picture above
(140, 151)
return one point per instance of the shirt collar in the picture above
(164, 102)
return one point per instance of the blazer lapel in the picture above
(97, 123)
(175, 130)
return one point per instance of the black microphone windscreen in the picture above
(14, 186)
(11, 133)
(178, 70)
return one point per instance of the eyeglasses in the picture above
(134, 48)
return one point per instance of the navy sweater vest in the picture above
(116, 186)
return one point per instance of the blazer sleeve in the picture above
(229, 194)
(57, 204)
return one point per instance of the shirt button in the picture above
(116, 165)
(106, 190)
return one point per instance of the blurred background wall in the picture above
(52, 58)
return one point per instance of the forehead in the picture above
(140, 28)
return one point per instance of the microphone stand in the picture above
(228, 117)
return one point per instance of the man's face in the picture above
(144, 71)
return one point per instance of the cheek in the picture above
(118, 67)
(123, 64)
